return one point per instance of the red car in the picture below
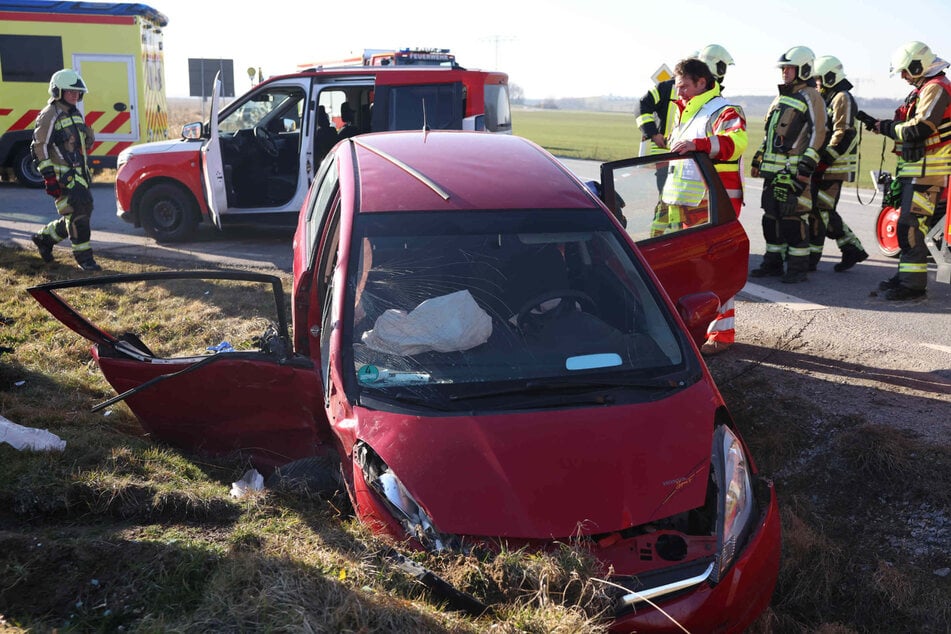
(482, 352)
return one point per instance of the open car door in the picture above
(212, 165)
(686, 227)
(235, 389)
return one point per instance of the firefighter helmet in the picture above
(913, 57)
(802, 58)
(717, 58)
(829, 71)
(66, 79)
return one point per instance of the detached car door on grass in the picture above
(233, 385)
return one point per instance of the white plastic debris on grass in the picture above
(29, 438)
(250, 481)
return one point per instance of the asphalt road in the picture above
(924, 326)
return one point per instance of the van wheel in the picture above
(168, 214)
(25, 170)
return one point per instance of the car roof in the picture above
(452, 170)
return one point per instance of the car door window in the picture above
(437, 106)
(679, 213)
(662, 197)
(326, 291)
(327, 177)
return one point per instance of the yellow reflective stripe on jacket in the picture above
(937, 164)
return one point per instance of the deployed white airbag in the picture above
(449, 323)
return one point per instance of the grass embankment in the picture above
(119, 531)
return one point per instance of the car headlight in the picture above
(123, 158)
(404, 508)
(735, 503)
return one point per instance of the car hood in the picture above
(551, 474)
(162, 147)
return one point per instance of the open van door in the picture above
(213, 171)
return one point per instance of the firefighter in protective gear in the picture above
(922, 133)
(706, 123)
(838, 162)
(795, 132)
(61, 141)
(655, 117)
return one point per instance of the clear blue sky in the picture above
(560, 48)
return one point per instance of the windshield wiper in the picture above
(430, 400)
(572, 386)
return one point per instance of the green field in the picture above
(608, 136)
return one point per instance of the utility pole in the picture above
(496, 41)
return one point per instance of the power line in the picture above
(496, 41)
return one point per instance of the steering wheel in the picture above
(567, 295)
(266, 140)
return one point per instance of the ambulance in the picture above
(116, 47)
(253, 162)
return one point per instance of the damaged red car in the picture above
(487, 349)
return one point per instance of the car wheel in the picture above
(25, 169)
(318, 474)
(168, 213)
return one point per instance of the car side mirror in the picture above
(698, 309)
(191, 130)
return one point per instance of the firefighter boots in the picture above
(901, 293)
(851, 255)
(85, 261)
(45, 245)
(890, 283)
(767, 271)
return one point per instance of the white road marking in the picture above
(788, 301)
(935, 346)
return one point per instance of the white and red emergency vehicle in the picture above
(254, 161)
(116, 47)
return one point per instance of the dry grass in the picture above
(118, 532)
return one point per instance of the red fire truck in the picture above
(253, 162)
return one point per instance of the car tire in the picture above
(168, 213)
(318, 474)
(25, 169)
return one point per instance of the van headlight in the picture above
(735, 503)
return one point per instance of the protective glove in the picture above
(785, 191)
(52, 184)
(912, 152)
(756, 163)
(887, 127)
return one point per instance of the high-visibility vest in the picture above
(685, 185)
